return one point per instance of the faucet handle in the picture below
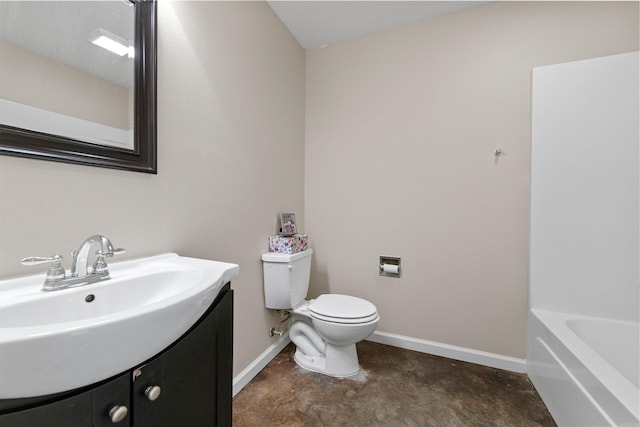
(100, 265)
(33, 260)
(55, 272)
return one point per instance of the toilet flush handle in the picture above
(290, 267)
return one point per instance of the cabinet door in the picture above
(194, 376)
(106, 397)
(87, 409)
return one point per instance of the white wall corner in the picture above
(244, 377)
(463, 354)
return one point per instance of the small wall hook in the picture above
(498, 152)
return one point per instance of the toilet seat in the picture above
(342, 309)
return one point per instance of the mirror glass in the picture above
(78, 85)
(78, 81)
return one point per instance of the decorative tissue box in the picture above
(288, 244)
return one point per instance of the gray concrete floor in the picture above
(395, 387)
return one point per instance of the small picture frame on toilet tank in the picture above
(288, 222)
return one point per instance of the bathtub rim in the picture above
(612, 381)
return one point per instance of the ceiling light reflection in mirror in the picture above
(57, 80)
(111, 42)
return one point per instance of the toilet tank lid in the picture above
(280, 257)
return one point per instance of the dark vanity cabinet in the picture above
(194, 377)
(88, 408)
(188, 384)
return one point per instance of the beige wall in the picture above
(401, 128)
(415, 112)
(231, 157)
(38, 81)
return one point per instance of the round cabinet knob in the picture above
(152, 392)
(118, 413)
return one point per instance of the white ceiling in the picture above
(314, 24)
(319, 23)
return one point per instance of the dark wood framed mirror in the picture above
(21, 142)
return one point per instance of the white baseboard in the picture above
(243, 378)
(464, 354)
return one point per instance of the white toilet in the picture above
(325, 330)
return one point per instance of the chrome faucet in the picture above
(80, 265)
(80, 273)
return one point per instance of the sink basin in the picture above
(61, 340)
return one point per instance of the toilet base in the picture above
(339, 361)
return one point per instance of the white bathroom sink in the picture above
(60, 340)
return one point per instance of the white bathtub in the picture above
(585, 368)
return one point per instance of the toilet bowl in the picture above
(338, 322)
(324, 330)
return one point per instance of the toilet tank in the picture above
(286, 278)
